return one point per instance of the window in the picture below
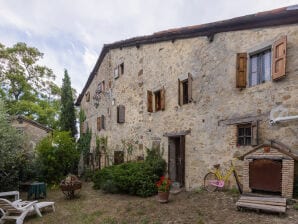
(120, 114)
(99, 88)
(244, 134)
(121, 67)
(247, 134)
(260, 68)
(100, 122)
(156, 100)
(87, 96)
(119, 70)
(185, 90)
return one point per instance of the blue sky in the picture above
(71, 33)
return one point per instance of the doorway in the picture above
(176, 159)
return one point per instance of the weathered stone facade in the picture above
(216, 103)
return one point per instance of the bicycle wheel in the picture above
(208, 179)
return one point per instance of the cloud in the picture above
(71, 33)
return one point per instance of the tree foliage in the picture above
(11, 152)
(57, 156)
(67, 117)
(28, 87)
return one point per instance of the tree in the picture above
(11, 152)
(27, 87)
(67, 117)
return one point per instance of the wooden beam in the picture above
(174, 134)
(242, 120)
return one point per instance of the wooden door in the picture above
(265, 175)
(177, 159)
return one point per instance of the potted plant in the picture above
(163, 187)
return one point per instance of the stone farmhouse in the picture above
(33, 131)
(204, 95)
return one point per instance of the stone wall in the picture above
(215, 97)
(33, 134)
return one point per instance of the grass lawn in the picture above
(187, 207)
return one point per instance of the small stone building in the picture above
(33, 131)
(202, 94)
(270, 168)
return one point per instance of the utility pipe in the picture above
(287, 118)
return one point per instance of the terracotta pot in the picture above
(163, 197)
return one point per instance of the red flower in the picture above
(163, 184)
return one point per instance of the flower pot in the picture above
(163, 197)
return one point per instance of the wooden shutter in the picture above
(149, 101)
(103, 122)
(121, 114)
(98, 123)
(189, 87)
(162, 99)
(180, 93)
(241, 70)
(87, 96)
(279, 52)
(254, 133)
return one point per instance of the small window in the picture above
(260, 68)
(244, 135)
(185, 90)
(156, 100)
(100, 122)
(121, 68)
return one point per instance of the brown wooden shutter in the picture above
(254, 133)
(189, 87)
(279, 52)
(87, 96)
(180, 93)
(98, 123)
(162, 99)
(121, 114)
(103, 122)
(241, 70)
(149, 101)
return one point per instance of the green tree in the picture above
(68, 116)
(27, 87)
(11, 152)
(57, 156)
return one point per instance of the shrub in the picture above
(134, 178)
(57, 156)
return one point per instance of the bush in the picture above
(134, 178)
(57, 156)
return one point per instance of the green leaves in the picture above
(67, 117)
(57, 156)
(26, 86)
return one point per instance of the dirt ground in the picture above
(187, 207)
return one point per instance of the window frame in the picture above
(244, 136)
(260, 55)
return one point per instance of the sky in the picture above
(71, 33)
